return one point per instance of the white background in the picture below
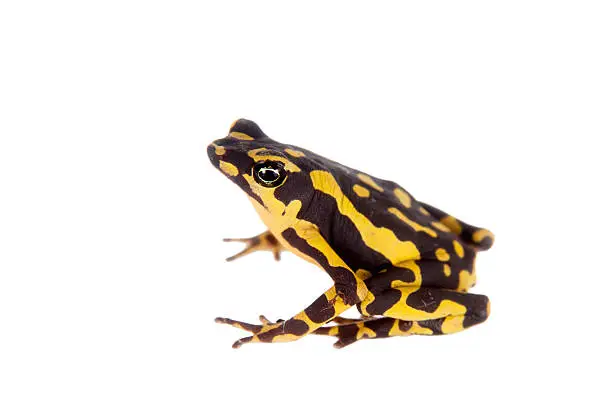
(111, 216)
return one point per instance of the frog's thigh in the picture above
(448, 311)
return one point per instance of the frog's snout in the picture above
(215, 151)
(211, 152)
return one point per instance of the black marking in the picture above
(337, 229)
(249, 128)
(320, 311)
(382, 281)
(383, 302)
(435, 325)
(467, 230)
(345, 281)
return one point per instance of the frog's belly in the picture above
(276, 228)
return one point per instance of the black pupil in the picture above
(269, 174)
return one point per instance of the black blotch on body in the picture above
(381, 282)
(435, 325)
(296, 326)
(320, 310)
(381, 326)
(404, 325)
(348, 331)
(383, 302)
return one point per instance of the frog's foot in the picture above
(261, 242)
(257, 329)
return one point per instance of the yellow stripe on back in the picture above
(368, 180)
(380, 239)
(414, 225)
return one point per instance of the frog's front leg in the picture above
(326, 308)
(262, 242)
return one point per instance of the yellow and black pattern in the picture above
(406, 265)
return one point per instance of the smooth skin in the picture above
(406, 265)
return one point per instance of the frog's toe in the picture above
(344, 341)
(253, 328)
(265, 321)
(238, 343)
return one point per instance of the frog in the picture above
(405, 265)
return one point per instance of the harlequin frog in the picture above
(404, 264)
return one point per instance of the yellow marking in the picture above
(447, 270)
(466, 280)
(403, 196)
(481, 234)
(233, 124)
(289, 166)
(219, 150)
(458, 249)
(395, 330)
(406, 289)
(368, 180)
(361, 191)
(228, 168)
(415, 328)
(335, 302)
(442, 255)
(363, 274)
(418, 329)
(452, 223)
(416, 226)
(295, 153)
(240, 136)
(440, 226)
(279, 218)
(424, 211)
(401, 310)
(452, 324)
(380, 239)
(364, 331)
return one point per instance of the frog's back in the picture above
(376, 208)
(369, 222)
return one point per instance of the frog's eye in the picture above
(269, 173)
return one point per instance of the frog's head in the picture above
(275, 175)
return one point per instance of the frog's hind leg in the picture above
(379, 328)
(406, 311)
(457, 310)
(480, 238)
(262, 242)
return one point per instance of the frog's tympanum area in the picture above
(406, 265)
